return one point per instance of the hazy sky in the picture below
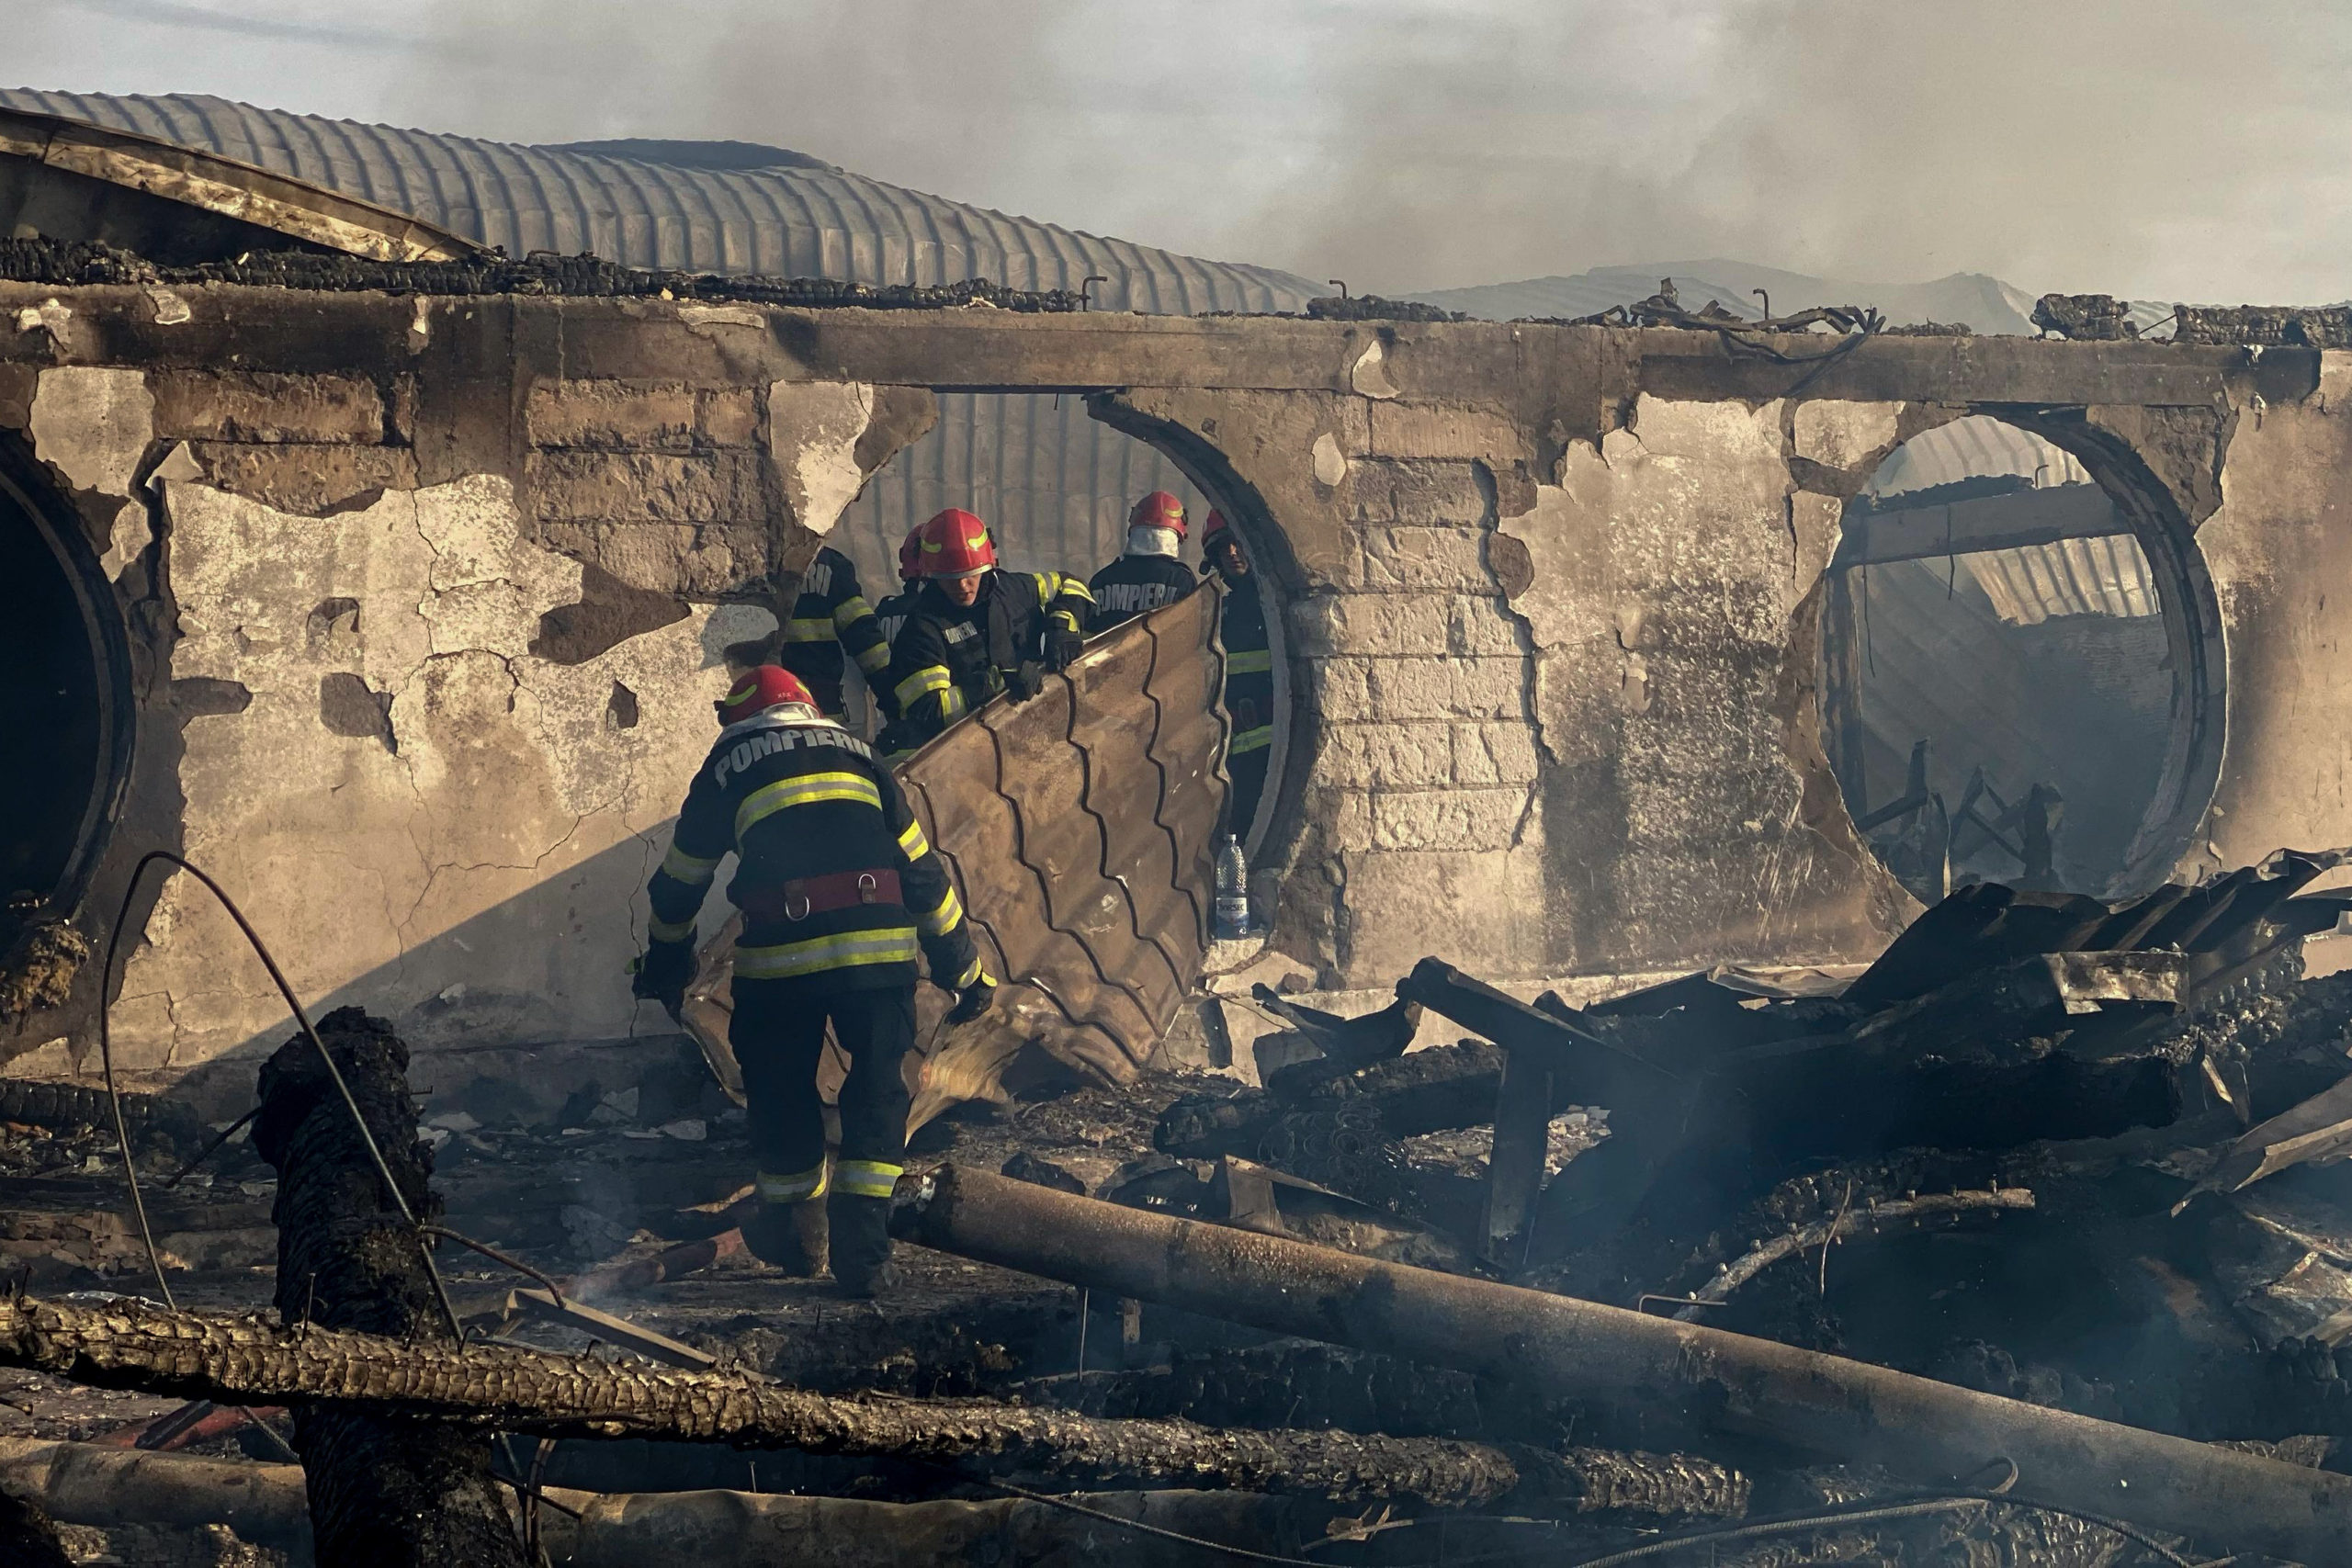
(2172, 149)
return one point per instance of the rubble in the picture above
(1571, 1349)
(2055, 1179)
(38, 969)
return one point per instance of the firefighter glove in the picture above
(1062, 648)
(1023, 682)
(973, 1001)
(663, 973)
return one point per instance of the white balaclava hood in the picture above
(1148, 541)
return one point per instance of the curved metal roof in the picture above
(781, 220)
(1055, 482)
(2103, 575)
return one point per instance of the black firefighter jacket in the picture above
(949, 659)
(817, 825)
(832, 618)
(1136, 585)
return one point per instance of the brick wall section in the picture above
(1418, 670)
(662, 484)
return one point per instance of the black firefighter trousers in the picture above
(778, 1033)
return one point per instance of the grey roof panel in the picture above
(1056, 483)
(799, 220)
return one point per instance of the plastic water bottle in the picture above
(1232, 921)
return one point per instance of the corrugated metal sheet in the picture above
(1055, 484)
(1973, 448)
(2081, 706)
(1078, 827)
(2103, 575)
(782, 221)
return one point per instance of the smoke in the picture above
(2179, 148)
(2173, 148)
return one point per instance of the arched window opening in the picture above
(2000, 692)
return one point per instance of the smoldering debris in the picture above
(2054, 1194)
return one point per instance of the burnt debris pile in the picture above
(493, 272)
(2028, 1245)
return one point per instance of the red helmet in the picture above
(1158, 510)
(758, 690)
(954, 544)
(911, 556)
(1217, 530)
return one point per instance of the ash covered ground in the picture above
(2090, 1251)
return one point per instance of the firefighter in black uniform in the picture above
(976, 631)
(1248, 672)
(892, 612)
(1150, 573)
(840, 895)
(832, 618)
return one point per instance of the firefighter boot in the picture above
(790, 1235)
(861, 1243)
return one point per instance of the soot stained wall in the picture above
(1550, 604)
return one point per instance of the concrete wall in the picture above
(430, 595)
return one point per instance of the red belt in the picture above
(806, 896)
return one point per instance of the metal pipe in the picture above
(1568, 1349)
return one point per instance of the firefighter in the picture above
(892, 613)
(977, 630)
(1248, 671)
(840, 893)
(1150, 573)
(830, 618)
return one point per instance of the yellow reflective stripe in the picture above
(810, 628)
(875, 660)
(692, 870)
(1256, 661)
(972, 974)
(869, 1178)
(1073, 586)
(669, 931)
(847, 949)
(941, 921)
(797, 1187)
(952, 704)
(1066, 619)
(1253, 739)
(912, 844)
(807, 790)
(851, 611)
(930, 677)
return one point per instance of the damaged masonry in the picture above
(1724, 948)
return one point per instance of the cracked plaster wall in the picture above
(1673, 612)
(453, 873)
(1551, 598)
(1559, 720)
(430, 742)
(2279, 549)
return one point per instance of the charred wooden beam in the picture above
(1568, 1349)
(1586, 1067)
(82, 1483)
(482, 1388)
(385, 1488)
(86, 1484)
(1515, 1166)
(1426, 1091)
